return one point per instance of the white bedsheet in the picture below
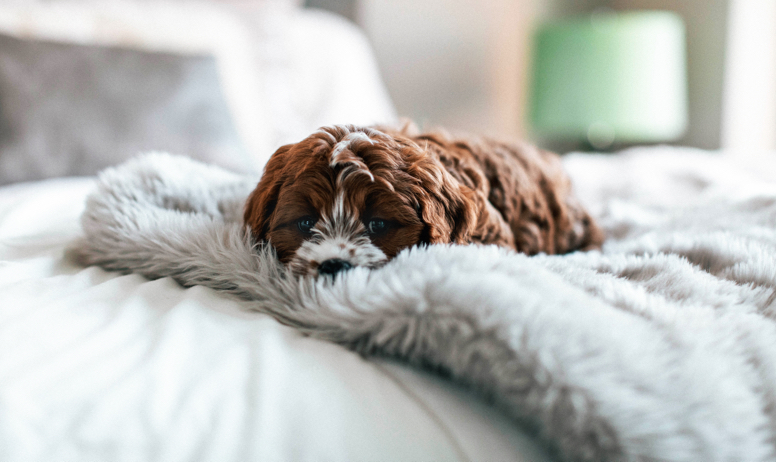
(97, 366)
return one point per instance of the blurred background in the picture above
(468, 64)
(85, 84)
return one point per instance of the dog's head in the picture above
(348, 196)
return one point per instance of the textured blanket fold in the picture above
(660, 347)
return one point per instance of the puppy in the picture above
(354, 196)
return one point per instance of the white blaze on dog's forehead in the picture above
(338, 221)
(346, 143)
(338, 209)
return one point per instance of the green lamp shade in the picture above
(614, 77)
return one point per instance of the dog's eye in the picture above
(377, 226)
(305, 224)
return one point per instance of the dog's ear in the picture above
(446, 207)
(262, 201)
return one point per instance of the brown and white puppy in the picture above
(354, 196)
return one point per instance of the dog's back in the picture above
(530, 202)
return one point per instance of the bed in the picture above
(660, 347)
(102, 366)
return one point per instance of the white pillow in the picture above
(70, 109)
(284, 70)
(231, 33)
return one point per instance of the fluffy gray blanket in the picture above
(660, 347)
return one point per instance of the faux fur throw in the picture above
(661, 347)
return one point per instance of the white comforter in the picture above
(96, 366)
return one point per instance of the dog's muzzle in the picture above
(333, 266)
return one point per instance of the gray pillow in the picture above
(68, 109)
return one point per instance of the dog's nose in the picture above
(333, 266)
